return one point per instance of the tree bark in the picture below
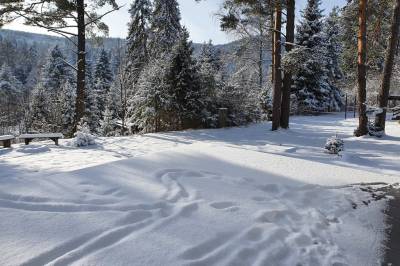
(362, 70)
(287, 80)
(277, 90)
(81, 63)
(380, 119)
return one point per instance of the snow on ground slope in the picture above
(240, 196)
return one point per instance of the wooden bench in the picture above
(53, 136)
(6, 140)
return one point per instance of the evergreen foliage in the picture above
(312, 86)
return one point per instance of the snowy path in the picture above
(242, 196)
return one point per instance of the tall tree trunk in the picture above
(362, 70)
(287, 80)
(270, 2)
(81, 64)
(380, 119)
(261, 57)
(277, 90)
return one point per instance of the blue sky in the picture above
(199, 18)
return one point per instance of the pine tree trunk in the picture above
(261, 57)
(81, 64)
(270, 3)
(383, 97)
(287, 80)
(277, 89)
(362, 70)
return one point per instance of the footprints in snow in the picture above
(225, 205)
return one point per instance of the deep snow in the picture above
(239, 196)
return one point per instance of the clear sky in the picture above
(199, 18)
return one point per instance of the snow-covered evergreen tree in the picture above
(209, 66)
(10, 94)
(54, 75)
(333, 45)
(107, 125)
(68, 100)
(102, 80)
(312, 86)
(92, 113)
(137, 40)
(55, 72)
(40, 114)
(185, 88)
(148, 107)
(83, 136)
(165, 27)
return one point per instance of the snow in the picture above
(7, 137)
(41, 135)
(239, 196)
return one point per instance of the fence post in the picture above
(345, 108)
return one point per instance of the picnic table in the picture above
(53, 136)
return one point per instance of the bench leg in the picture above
(7, 143)
(55, 141)
(27, 141)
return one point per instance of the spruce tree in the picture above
(68, 100)
(102, 80)
(92, 113)
(148, 107)
(209, 66)
(137, 40)
(10, 93)
(107, 125)
(333, 45)
(55, 72)
(165, 26)
(185, 88)
(311, 85)
(40, 115)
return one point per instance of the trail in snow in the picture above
(242, 196)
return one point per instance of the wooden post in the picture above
(222, 117)
(345, 108)
(7, 143)
(355, 106)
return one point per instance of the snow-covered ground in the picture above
(239, 196)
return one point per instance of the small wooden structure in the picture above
(6, 140)
(53, 136)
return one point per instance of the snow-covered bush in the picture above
(334, 145)
(83, 137)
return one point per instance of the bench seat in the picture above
(53, 136)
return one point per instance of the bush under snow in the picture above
(83, 137)
(334, 145)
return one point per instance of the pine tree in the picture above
(68, 100)
(165, 26)
(102, 80)
(137, 41)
